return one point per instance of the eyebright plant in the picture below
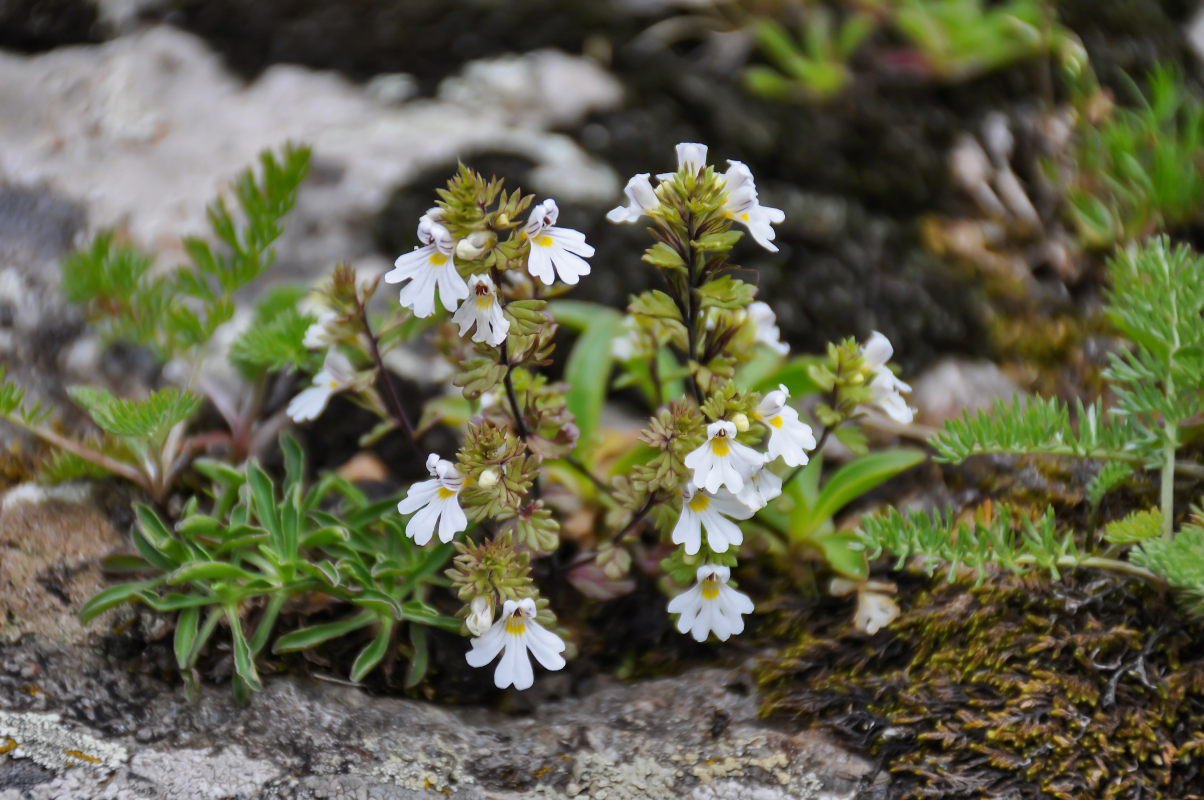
(727, 450)
(1150, 431)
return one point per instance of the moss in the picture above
(1016, 689)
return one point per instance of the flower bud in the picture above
(741, 422)
(480, 616)
(488, 478)
(475, 245)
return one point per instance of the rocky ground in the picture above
(138, 133)
(81, 718)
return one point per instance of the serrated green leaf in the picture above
(149, 418)
(1136, 527)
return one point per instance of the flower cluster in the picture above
(740, 203)
(731, 481)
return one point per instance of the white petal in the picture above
(688, 530)
(544, 645)
(452, 520)
(309, 404)
(485, 648)
(515, 666)
(420, 494)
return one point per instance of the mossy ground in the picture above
(1092, 687)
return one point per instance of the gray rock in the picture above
(147, 128)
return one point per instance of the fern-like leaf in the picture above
(1003, 541)
(1112, 475)
(1037, 426)
(1136, 527)
(274, 344)
(1180, 561)
(149, 418)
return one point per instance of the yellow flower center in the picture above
(484, 301)
(438, 260)
(445, 493)
(744, 217)
(710, 588)
(544, 241)
(515, 626)
(720, 447)
(776, 422)
(699, 502)
(332, 384)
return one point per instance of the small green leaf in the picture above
(371, 655)
(845, 553)
(588, 374)
(186, 632)
(115, 596)
(149, 418)
(850, 482)
(314, 635)
(1136, 527)
(244, 659)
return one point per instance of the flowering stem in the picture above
(511, 395)
(576, 464)
(395, 408)
(643, 511)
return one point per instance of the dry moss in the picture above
(1017, 689)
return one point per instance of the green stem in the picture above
(114, 466)
(1168, 480)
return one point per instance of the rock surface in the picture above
(146, 129)
(82, 715)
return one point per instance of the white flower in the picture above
(874, 611)
(763, 487)
(691, 157)
(321, 333)
(876, 608)
(711, 606)
(480, 615)
(765, 327)
(483, 310)
(427, 268)
(722, 461)
(436, 501)
(336, 375)
(642, 199)
(885, 387)
(789, 439)
(516, 632)
(703, 511)
(555, 252)
(742, 205)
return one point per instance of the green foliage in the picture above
(1037, 425)
(258, 545)
(1180, 560)
(13, 406)
(815, 66)
(1001, 542)
(176, 314)
(150, 418)
(1156, 302)
(963, 39)
(1139, 170)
